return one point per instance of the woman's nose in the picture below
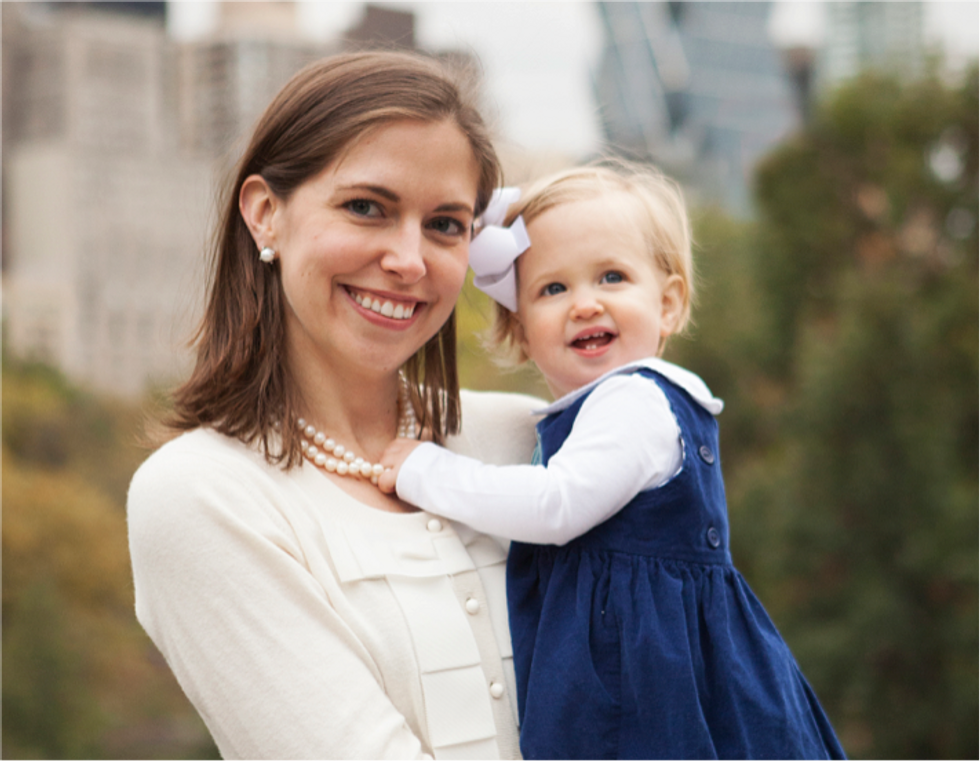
(404, 255)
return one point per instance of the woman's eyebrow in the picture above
(456, 207)
(376, 189)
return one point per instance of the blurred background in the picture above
(829, 154)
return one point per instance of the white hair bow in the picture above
(495, 249)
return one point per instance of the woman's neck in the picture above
(360, 411)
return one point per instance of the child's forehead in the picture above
(602, 202)
(593, 233)
(612, 216)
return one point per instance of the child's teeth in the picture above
(357, 298)
(366, 303)
(399, 312)
(387, 309)
(376, 305)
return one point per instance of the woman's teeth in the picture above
(385, 308)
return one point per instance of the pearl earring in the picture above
(267, 255)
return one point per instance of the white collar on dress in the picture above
(687, 380)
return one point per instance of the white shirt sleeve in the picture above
(624, 440)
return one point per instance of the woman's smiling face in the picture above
(373, 250)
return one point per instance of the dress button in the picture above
(714, 538)
(496, 690)
(434, 525)
(706, 454)
(472, 606)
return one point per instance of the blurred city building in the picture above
(864, 35)
(103, 213)
(696, 87)
(114, 138)
(384, 27)
(146, 8)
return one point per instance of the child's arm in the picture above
(624, 440)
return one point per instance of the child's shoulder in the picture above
(690, 382)
(629, 379)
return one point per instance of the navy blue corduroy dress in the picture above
(639, 639)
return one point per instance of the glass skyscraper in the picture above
(886, 37)
(696, 87)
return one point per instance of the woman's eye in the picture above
(612, 277)
(447, 226)
(552, 289)
(363, 208)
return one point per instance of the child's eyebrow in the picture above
(610, 261)
(544, 278)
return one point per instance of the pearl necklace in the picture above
(333, 457)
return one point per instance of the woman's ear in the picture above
(257, 205)
(672, 299)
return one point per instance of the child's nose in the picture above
(586, 307)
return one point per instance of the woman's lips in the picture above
(392, 308)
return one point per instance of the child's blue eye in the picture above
(552, 289)
(612, 277)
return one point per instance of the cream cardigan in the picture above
(304, 624)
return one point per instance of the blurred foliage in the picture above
(80, 678)
(841, 328)
(481, 366)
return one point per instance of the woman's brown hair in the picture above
(241, 384)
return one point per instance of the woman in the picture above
(305, 613)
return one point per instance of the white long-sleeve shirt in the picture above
(304, 624)
(624, 440)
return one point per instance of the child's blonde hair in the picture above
(662, 216)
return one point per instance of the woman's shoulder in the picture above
(498, 426)
(495, 405)
(203, 489)
(200, 449)
(198, 467)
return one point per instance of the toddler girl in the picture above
(633, 634)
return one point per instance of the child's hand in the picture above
(392, 458)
